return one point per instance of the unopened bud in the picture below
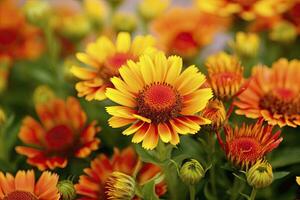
(157, 8)
(43, 94)
(215, 112)
(37, 11)
(284, 32)
(124, 22)
(191, 172)
(245, 44)
(120, 186)
(66, 190)
(260, 175)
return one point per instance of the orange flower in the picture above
(225, 75)
(273, 94)
(184, 31)
(18, 39)
(61, 134)
(104, 59)
(246, 9)
(93, 185)
(158, 100)
(24, 187)
(249, 143)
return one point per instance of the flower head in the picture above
(120, 186)
(184, 31)
(191, 172)
(260, 175)
(97, 182)
(104, 59)
(18, 39)
(225, 75)
(246, 44)
(216, 113)
(24, 187)
(273, 93)
(62, 133)
(158, 100)
(249, 143)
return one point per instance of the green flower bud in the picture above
(120, 186)
(66, 190)
(37, 11)
(260, 175)
(124, 22)
(191, 172)
(42, 94)
(284, 32)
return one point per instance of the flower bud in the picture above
(215, 112)
(42, 94)
(260, 175)
(37, 11)
(95, 10)
(157, 8)
(283, 32)
(245, 44)
(191, 172)
(120, 186)
(66, 190)
(124, 22)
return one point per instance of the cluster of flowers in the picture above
(152, 93)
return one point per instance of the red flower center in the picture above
(281, 101)
(159, 102)
(184, 41)
(20, 195)
(245, 149)
(118, 59)
(59, 138)
(7, 36)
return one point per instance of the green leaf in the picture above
(148, 191)
(285, 157)
(279, 175)
(147, 156)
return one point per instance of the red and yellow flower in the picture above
(93, 185)
(184, 31)
(249, 143)
(158, 100)
(104, 59)
(273, 93)
(24, 187)
(62, 133)
(18, 39)
(225, 75)
(248, 10)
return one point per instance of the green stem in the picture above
(192, 192)
(253, 194)
(212, 172)
(3, 150)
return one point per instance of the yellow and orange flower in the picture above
(24, 187)
(62, 133)
(104, 59)
(248, 10)
(249, 143)
(216, 113)
(93, 185)
(183, 31)
(225, 75)
(158, 100)
(18, 39)
(273, 93)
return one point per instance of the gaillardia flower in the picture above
(249, 143)
(103, 60)
(62, 133)
(158, 100)
(273, 93)
(184, 31)
(18, 39)
(96, 184)
(225, 75)
(248, 10)
(24, 187)
(216, 113)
